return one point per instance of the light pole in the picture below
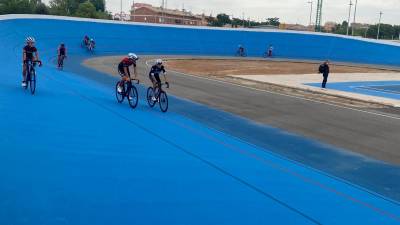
(354, 19)
(311, 9)
(348, 20)
(379, 25)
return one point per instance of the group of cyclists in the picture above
(88, 42)
(241, 51)
(30, 53)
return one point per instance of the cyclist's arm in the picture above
(135, 71)
(126, 71)
(23, 55)
(37, 56)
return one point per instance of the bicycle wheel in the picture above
(120, 96)
(133, 97)
(163, 101)
(150, 95)
(32, 82)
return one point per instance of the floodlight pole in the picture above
(379, 25)
(348, 20)
(311, 10)
(354, 19)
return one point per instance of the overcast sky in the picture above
(289, 11)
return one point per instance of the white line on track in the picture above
(286, 95)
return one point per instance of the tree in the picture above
(16, 6)
(273, 21)
(86, 10)
(41, 8)
(223, 19)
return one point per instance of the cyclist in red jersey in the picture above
(123, 69)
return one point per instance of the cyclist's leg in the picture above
(24, 72)
(158, 84)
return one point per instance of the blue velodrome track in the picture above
(72, 155)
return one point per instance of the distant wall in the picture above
(114, 37)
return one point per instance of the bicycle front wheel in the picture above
(133, 97)
(150, 95)
(163, 101)
(32, 82)
(119, 95)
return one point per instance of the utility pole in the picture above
(354, 19)
(311, 9)
(243, 18)
(120, 12)
(133, 10)
(379, 24)
(348, 20)
(318, 16)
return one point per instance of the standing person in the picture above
(270, 50)
(324, 69)
(62, 54)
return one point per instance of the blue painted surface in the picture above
(386, 89)
(72, 155)
(169, 40)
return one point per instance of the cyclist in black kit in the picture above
(154, 75)
(62, 54)
(29, 53)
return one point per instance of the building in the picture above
(121, 16)
(297, 27)
(146, 13)
(330, 26)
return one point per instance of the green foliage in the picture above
(41, 8)
(71, 7)
(273, 21)
(17, 6)
(86, 10)
(387, 31)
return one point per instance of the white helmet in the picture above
(159, 61)
(30, 39)
(133, 56)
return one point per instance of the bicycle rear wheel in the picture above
(133, 97)
(120, 96)
(163, 101)
(32, 82)
(150, 95)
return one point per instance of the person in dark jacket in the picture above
(324, 69)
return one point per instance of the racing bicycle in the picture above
(159, 95)
(129, 91)
(31, 75)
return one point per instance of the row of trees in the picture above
(79, 8)
(386, 31)
(223, 19)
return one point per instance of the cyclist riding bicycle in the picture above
(62, 54)
(123, 69)
(86, 40)
(241, 50)
(29, 54)
(91, 42)
(154, 75)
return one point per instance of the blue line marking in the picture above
(386, 89)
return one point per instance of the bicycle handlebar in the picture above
(137, 81)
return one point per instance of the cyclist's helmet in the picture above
(239, 46)
(62, 44)
(133, 56)
(159, 61)
(91, 39)
(30, 40)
